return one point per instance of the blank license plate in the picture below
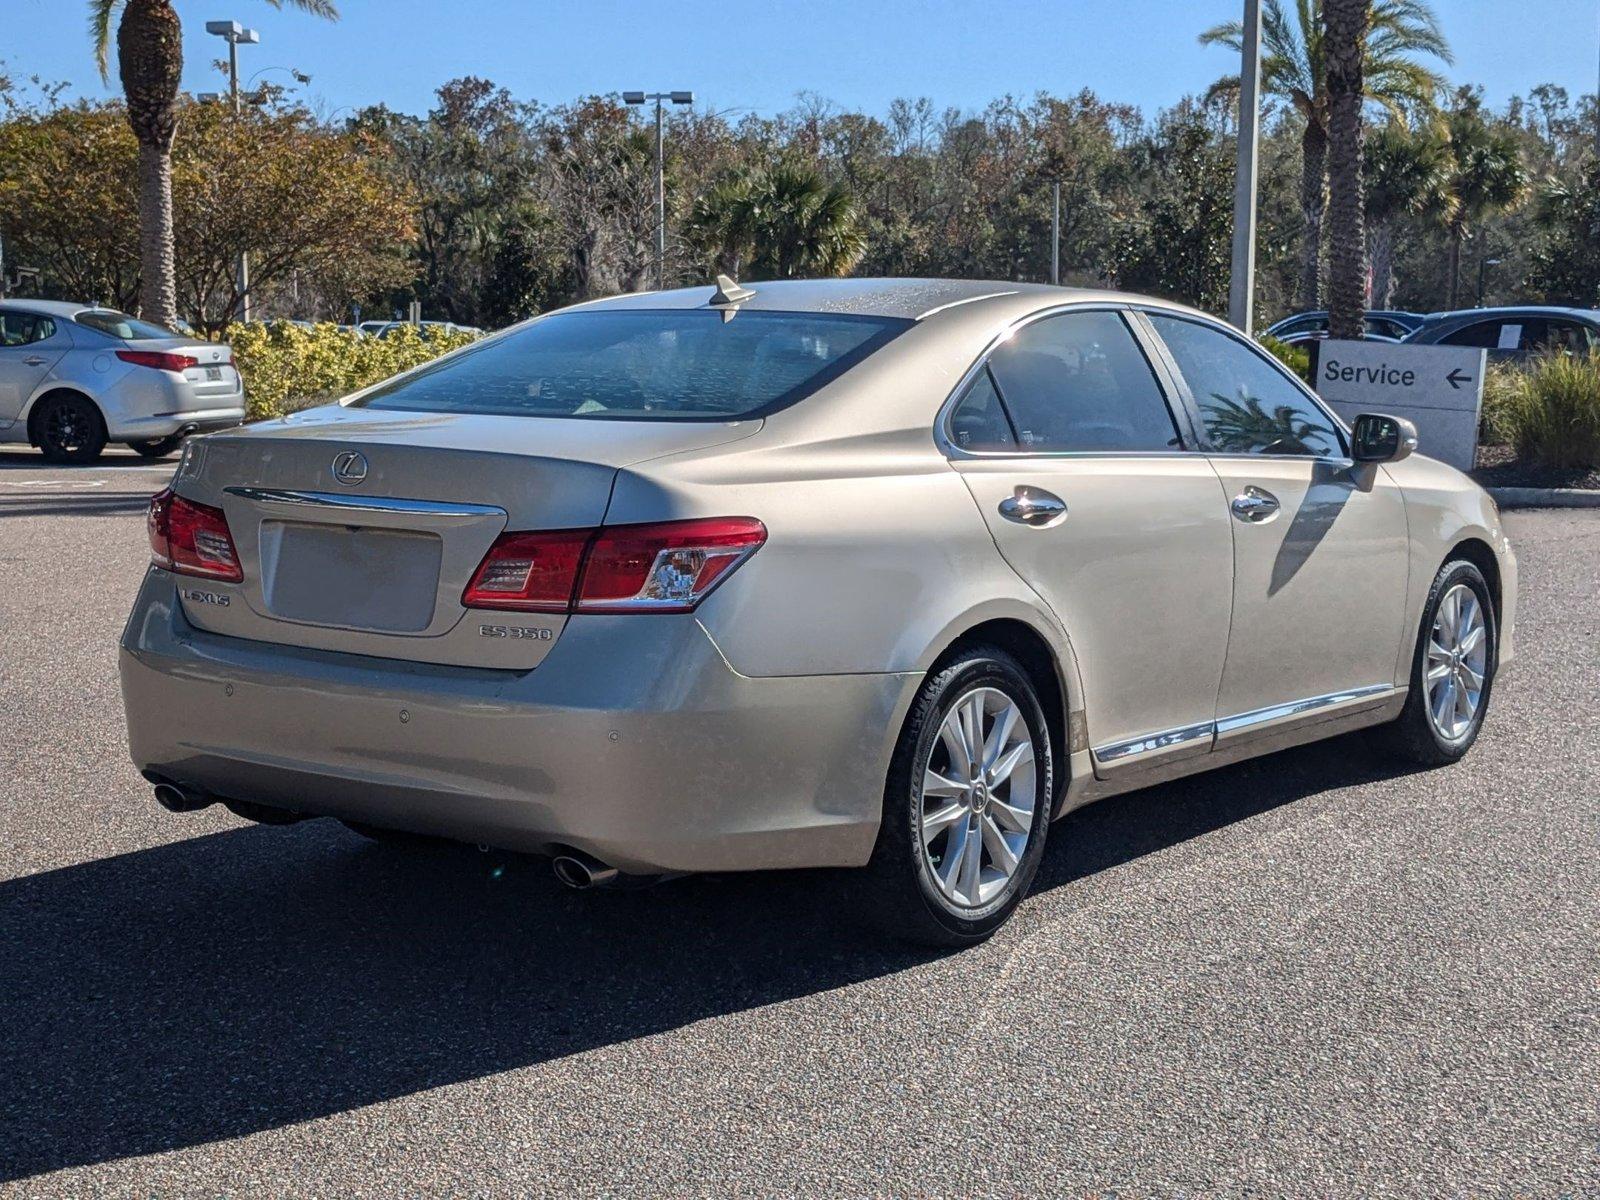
(378, 579)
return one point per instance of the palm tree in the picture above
(779, 223)
(1344, 52)
(1292, 67)
(1404, 174)
(150, 63)
(1486, 176)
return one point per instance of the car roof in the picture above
(54, 308)
(907, 299)
(1515, 310)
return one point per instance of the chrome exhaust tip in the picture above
(178, 799)
(579, 870)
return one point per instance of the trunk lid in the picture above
(214, 376)
(358, 529)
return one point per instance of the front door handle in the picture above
(1033, 506)
(1255, 505)
(33, 360)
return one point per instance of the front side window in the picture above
(121, 325)
(643, 365)
(1079, 382)
(1247, 405)
(23, 329)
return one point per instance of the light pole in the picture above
(1242, 282)
(1484, 263)
(236, 34)
(661, 172)
(1055, 233)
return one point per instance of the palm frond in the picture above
(317, 8)
(101, 13)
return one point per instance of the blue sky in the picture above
(757, 55)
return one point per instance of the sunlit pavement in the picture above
(1312, 974)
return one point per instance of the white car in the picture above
(74, 377)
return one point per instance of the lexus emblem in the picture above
(350, 467)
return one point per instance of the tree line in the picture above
(489, 206)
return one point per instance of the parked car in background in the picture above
(1382, 324)
(373, 328)
(1514, 332)
(74, 377)
(864, 573)
(426, 329)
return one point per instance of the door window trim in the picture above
(1177, 411)
(1341, 430)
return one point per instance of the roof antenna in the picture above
(729, 292)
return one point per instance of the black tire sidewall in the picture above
(1456, 571)
(903, 803)
(89, 450)
(156, 447)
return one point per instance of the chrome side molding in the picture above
(1159, 746)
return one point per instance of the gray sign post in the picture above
(1438, 388)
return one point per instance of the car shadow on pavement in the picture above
(259, 977)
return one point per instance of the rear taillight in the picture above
(532, 572)
(668, 567)
(158, 359)
(664, 568)
(191, 538)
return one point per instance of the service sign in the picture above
(1438, 388)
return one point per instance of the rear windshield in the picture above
(121, 325)
(650, 365)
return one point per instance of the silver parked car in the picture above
(74, 377)
(857, 573)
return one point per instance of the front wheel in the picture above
(1452, 671)
(967, 804)
(70, 430)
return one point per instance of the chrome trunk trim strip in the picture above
(416, 508)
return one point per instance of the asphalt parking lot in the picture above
(1314, 974)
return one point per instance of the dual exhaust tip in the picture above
(574, 868)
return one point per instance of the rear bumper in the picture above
(633, 740)
(160, 425)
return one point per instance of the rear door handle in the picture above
(33, 360)
(1033, 506)
(1255, 505)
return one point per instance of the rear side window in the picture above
(979, 422)
(1247, 405)
(23, 329)
(1079, 382)
(121, 325)
(644, 365)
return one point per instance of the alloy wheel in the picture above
(1458, 655)
(67, 428)
(979, 788)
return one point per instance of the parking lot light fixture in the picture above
(661, 176)
(236, 35)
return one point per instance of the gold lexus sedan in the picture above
(883, 574)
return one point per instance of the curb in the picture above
(1526, 497)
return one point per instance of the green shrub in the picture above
(1296, 358)
(286, 367)
(1549, 411)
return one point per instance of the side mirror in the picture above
(1377, 438)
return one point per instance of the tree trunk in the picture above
(150, 63)
(1380, 240)
(158, 286)
(1344, 52)
(1313, 173)
(1457, 237)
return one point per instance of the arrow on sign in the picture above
(1455, 379)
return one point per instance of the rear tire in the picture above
(157, 447)
(1449, 687)
(939, 811)
(69, 429)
